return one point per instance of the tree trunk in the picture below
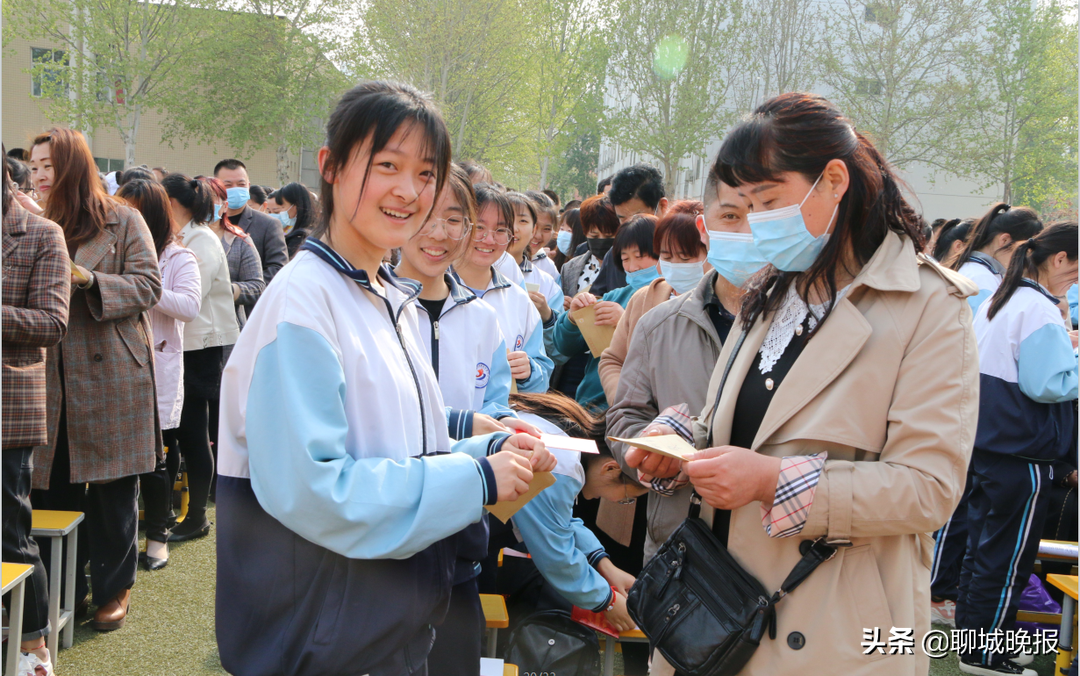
(131, 135)
(544, 171)
(283, 165)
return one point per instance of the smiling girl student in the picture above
(547, 296)
(520, 322)
(337, 498)
(544, 232)
(468, 355)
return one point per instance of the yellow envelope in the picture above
(671, 445)
(83, 279)
(504, 510)
(597, 337)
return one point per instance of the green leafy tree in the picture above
(574, 172)
(1022, 103)
(779, 42)
(666, 78)
(893, 66)
(114, 59)
(567, 67)
(264, 79)
(472, 56)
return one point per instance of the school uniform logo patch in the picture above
(482, 375)
(518, 342)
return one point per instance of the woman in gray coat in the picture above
(102, 411)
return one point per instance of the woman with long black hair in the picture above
(849, 408)
(293, 207)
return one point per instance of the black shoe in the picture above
(150, 563)
(190, 529)
(1006, 668)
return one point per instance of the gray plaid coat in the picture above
(37, 277)
(112, 415)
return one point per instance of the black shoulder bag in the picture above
(697, 605)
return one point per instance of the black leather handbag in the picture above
(697, 605)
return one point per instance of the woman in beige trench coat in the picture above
(102, 411)
(850, 409)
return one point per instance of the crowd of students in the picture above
(352, 376)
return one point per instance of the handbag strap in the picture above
(695, 499)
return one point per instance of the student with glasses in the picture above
(518, 318)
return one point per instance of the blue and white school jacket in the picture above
(521, 328)
(564, 550)
(986, 272)
(467, 351)
(542, 261)
(337, 494)
(1028, 377)
(551, 291)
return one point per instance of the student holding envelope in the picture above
(633, 254)
(334, 444)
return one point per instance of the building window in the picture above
(47, 71)
(107, 165)
(879, 13)
(868, 87)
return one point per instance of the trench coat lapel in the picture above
(825, 357)
(91, 253)
(725, 409)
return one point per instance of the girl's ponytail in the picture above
(1029, 256)
(1019, 265)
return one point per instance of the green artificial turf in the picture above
(170, 629)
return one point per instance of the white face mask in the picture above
(780, 235)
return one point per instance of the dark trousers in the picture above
(108, 536)
(193, 437)
(950, 543)
(1006, 511)
(156, 490)
(459, 638)
(19, 545)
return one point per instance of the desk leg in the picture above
(1065, 635)
(492, 641)
(56, 575)
(69, 593)
(15, 618)
(609, 656)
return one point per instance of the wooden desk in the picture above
(62, 529)
(496, 617)
(14, 581)
(1067, 632)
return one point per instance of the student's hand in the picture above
(531, 449)
(512, 474)
(729, 477)
(566, 303)
(541, 304)
(583, 299)
(618, 616)
(518, 425)
(520, 366)
(615, 576)
(485, 424)
(28, 203)
(608, 313)
(653, 464)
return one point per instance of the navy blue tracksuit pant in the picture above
(950, 543)
(1006, 511)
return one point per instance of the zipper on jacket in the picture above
(435, 347)
(416, 381)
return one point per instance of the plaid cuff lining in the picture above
(795, 489)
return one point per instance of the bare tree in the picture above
(779, 46)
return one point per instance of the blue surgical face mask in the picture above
(682, 276)
(643, 277)
(287, 221)
(562, 241)
(217, 212)
(734, 256)
(782, 238)
(238, 197)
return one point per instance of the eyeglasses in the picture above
(455, 227)
(502, 236)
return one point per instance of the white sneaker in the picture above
(31, 665)
(943, 612)
(1022, 659)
